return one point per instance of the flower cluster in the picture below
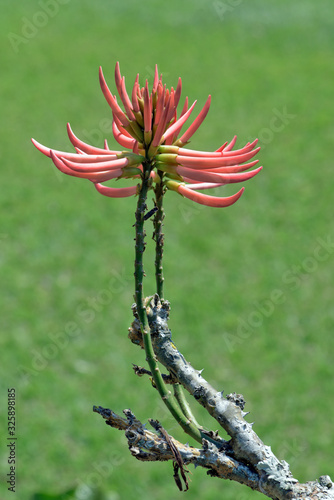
(149, 127)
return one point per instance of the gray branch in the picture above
(149, 446)
(246, 459)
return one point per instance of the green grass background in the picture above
(66, 253)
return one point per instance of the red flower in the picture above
(149, 126)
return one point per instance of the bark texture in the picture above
(244, 458)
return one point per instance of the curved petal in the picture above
(78, 156)
(205, 176)
(230, 144)
(209, 201)
(103, 166)
(197, 122)
(111, 100)
(147, 109)
(134, 100)
(219, 150)
(213, 162)
(161, 126)
(47, 151)
(188, 152)
(233, 169)
(84, 158)
(123, 140)
(118, 78)
(213, 154)
(87, 148)
(126, 102)
(171, 111)
(121, 89)
(248, 147)
(159, 104)
(170, 131)
(156, 79)
(204, 185)
(95, 177)
(178, 93)
(116, 192)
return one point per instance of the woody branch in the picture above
(254, 463)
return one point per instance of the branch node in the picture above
(131, 418)
(237, 399)
(134, 310)
(325, 481)
(178, 461)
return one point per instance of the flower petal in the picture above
(123, 139)
(178, 93)
(47, 151)
(161, 127)
(204, 185)
(206, 176)
(87, 148)
(188, 152)
(210, 201)
(156, 79)
(230, 144)
(95, 177)
(196, 123)
(204, 199)
(159, 104)
(213, 162)
(248, 147)
(147, 110)
(219, 150)
(234, 168)
(116, 192)
(111, 100)
(103, 166)
(134, 94)
(118, 78)
(178, 124)
(126, 101)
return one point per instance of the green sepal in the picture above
(165, 167)
(130, 172)
(164, 148)
(167, 158)
(133, 158)
(139, 118)
(175, 177)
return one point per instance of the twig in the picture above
(140, 371)
(178, 464)
(148, 446)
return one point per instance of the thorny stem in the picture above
(158, 237)
(165, 394)
(140, 248)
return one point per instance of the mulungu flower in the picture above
(149, 127)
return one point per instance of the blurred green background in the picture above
(250, 286)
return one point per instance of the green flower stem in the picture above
(159, 239)
(183, 403)
(140, 248)
(165, 394)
